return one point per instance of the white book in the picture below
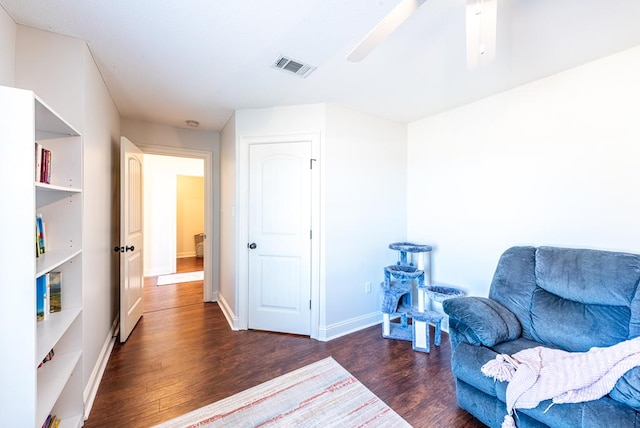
(38, 155)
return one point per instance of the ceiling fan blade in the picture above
(380, 32)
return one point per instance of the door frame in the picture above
(211, 210)
(243, 223)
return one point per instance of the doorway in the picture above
(283, 174)
(178, 228)
(173, 217)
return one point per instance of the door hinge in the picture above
(311, 161)
(311, 234)
(309, 304)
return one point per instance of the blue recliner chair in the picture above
(561, 298)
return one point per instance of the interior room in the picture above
(470, 126)
(173, 231)
(174, 214)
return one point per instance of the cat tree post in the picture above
(397, 302)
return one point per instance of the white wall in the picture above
(62, 72)
(553, 162)
(299, 119)
(101, 217)
(228, 227)
(364, 202)
(154, 134)
(362, 162)
(53, 67)
(7, 49)
(160, 178)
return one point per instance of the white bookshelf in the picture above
(29, 394)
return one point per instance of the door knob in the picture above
(123, 249)
(252, 246)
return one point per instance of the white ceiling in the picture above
(167, 61)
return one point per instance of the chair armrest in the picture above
(481, 321)
(627, 389)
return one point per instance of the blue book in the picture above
(55, 292)
(41, 295)
(40, 233)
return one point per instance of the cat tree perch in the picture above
(397, 290)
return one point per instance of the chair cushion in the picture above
(591, 277)
(583, 298)
(482, 321)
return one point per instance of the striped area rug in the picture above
(322, 394)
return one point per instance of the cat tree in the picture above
(397, 289)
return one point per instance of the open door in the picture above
(131, 222)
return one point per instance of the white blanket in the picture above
(540, 373)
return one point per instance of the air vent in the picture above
(293, 66)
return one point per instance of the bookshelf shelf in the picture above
(53, 259)
(72, 422)
(52, 378)
(44, 188)
(49, 124)
(48, 193)
(29, 394)
(50, 331)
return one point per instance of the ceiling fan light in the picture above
(481, 32)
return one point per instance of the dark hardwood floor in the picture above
(183, 355)
(157, 298)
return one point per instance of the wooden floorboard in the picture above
(157, 298)
(185, 356)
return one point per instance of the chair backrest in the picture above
(569, 298)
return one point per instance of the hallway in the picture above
(157, 298)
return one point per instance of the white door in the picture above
(131, 261)
(280, 237)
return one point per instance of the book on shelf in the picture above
(52, 421)
(37, 239)
(48, 294)
(48, 358)
(46, 166)
(55, 291)
(38, 155)
(42, 309)
(41, 234)
(43, 164)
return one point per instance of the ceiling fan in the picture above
(480, 23)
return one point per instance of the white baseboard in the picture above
(342, 328)
(233, 320)
(98, 371)
(186, 254)
(352, 325)
(214, 297)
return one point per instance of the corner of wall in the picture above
(227, 311)
(7, 49)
